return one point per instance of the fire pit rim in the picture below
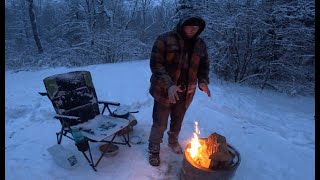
(230, 147)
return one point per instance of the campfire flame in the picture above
(197, 150)
(195, 144)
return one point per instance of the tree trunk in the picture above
(34, 26)
(266, 77)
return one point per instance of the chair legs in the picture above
(91, 159)
(94, 165)
(126, 139)
(64, 132)
(59, 135)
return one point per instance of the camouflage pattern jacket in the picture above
(166, 59)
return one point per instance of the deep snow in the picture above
(274, 133)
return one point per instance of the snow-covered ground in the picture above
(274, 133)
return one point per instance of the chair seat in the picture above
(101, 127)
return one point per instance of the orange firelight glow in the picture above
(197, 150)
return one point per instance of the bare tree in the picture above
(265, 43)
(132, 13)
(34, 26)
(145, 5)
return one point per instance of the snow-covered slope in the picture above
(273, 132)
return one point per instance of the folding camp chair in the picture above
(75, 101)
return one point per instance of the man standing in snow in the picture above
(179, 61)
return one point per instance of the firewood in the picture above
(217, 150)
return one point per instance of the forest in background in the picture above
(263, 43)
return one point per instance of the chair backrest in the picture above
(73, 94)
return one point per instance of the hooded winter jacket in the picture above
(167, 58)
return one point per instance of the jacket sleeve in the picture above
(203, 72)
(157, 64)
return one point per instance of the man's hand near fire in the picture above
(172, 93)
(204, 87)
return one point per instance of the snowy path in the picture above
(273, 132)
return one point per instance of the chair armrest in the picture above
(109, 103)
(43, 93)
(106, 105)
(67, 118)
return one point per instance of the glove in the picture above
(204, 87)
(172, 93)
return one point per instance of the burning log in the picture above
(192, 170)
(209, 158)
(217, 150)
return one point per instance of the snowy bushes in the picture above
(76, 33)
(268, 44)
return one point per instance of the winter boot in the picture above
(175, 147)
(174, 144)
(154, 152)
(154, 159)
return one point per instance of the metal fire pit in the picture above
(192, 171)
